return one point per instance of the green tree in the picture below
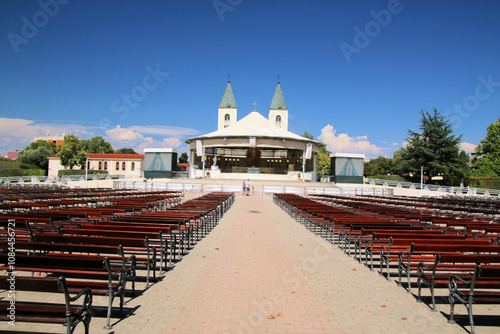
(379, 166)
(307, 135)
(487, 161)
(183, 158)
(36, 153)
(71, 152)
(96, 144)
(324, 160)
(435, 148)
(126, 150)
(36, 158)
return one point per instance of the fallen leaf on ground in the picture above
(278, 315)
(383, 305)
(353, 269)
(271, 317)
(403, 318)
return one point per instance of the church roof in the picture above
(228, 98)
(253, 125)
(278, 102)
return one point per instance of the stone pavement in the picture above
(259, 271)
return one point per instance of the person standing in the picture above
(247, 187)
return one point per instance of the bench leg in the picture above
(108, 315)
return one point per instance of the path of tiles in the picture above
(259, 271)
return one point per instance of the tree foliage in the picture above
(71, 153)
(126, 150)
(36, 153)
(96, 144)
(183, 158)
(434, 147)
(487, 162)
(380, 166)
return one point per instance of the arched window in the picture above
(123, 165)
(132, 166)
(100, 165)
(278, 119)
(105, 165)
(117, 166)
(227, 118)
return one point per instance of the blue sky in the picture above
(355, 74)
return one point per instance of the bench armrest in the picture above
(86, 293)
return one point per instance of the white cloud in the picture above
(344, 143)
(165, 131)
(121, 134)
(395, 144)
(468, 147)
(16, 134)
(171, 142)
(130, 137)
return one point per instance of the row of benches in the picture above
(103, 253)
(456, 259)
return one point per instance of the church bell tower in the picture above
(278, 111)
(227, 109)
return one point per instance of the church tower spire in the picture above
(278, 111)
(227, 107)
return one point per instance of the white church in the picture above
(253, 144)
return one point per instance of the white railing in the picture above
(56, 179)
(434, 187)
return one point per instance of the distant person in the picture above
(247, 187)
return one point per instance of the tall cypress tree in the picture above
(434, 147)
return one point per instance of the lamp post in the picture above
(86, 171)
(421, 181)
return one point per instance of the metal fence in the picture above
(57, 179)
(262, 190)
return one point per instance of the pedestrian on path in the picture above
(247, 187)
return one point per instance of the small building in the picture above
(127, 164)
(58, 140)
(160, 163)
(347, 167)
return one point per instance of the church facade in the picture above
(253, 144)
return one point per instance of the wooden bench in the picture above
(392, 252)
(444, 266)
(408, 261)
(464, 289)
(77, 266)
(68, 314)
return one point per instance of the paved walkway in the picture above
(259, 271)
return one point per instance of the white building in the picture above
(129, 165)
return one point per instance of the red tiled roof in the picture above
(109, 156)
(115, 156)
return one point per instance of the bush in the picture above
(484, 182)
(388, 177)
(6, 172)
(69, 172)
